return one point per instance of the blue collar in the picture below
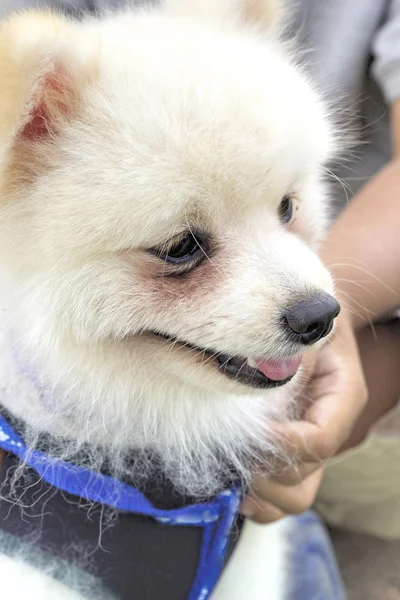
(215, 517)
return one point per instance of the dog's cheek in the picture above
(169, 292)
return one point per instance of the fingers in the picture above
(328, 421)
(289, 475)
(312, 443)
(340, 406)
(260, 511)
(294, 499)
(306, 442)
(271, 501)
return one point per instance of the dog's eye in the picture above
(285, 210)
(184, 249)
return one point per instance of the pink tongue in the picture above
(278, 370)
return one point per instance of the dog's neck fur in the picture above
(196, 440)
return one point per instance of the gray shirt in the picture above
(352, 49)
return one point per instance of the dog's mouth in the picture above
(248, 371)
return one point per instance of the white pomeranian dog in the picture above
(161, 201)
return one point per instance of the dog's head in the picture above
(162, 198)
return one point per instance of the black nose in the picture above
(312, 319)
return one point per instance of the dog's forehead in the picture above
(212, 95)
(185, 129)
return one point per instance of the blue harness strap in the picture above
(216, 517)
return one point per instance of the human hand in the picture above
(338, 393)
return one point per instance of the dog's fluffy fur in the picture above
(118, 134)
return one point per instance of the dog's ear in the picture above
(44, 67)
(261, 13)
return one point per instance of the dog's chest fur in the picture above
(56, 541)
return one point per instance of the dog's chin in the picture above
(239, 370)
